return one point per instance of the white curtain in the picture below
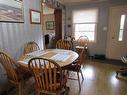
(85, 15)
(89, 18)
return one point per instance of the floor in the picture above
(99, 80)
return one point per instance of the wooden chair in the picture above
(76, 66)
(30, 47)
(48, 76)
(12, 73)
(82, 42)
(71, 40)
(63, 44)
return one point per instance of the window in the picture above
(121, 30)
(85, 23)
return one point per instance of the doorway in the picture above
(117, 34)
(52, 25)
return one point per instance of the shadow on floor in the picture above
(110, 61)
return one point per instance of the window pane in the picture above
(121, 35)
(84, 22)
(90, 35)
(122, 22)
(85, 30)
(84, 27)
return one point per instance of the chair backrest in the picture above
(63, 44)
(80, 52)
(9, 65)
(45, 73)
(83, 41)
(30, 47)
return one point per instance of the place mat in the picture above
(25, 61)
(60, 52)
(37, 53)
(25, 57)
(60, 57)
(55, 55)
(48, 55)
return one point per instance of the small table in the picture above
(122, 71)
(60, 56)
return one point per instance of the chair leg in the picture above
(63, 71)
(67, 90)
(7, 88)
(38, 93)
(20, 89)
(116, 73)
(68, 73)
(79, 81)
(82, 74)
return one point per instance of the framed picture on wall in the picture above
(35, 17)
(49, 25)
(11, 11)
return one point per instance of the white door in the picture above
(116, 44)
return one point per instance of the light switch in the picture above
(105, 28)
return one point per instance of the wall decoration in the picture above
(58, 4)
(50, 25)
(11, 11)
(35, 17)
(54, 3)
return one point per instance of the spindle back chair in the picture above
(63, 44)
(30, 47)
(48, 75)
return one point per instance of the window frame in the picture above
(121, 29)
(96, 23)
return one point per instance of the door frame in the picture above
(110, 38)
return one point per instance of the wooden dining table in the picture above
(60, 56)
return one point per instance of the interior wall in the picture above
(98, 47)
(48, 17)
(13, 36)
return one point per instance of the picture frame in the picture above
(35, 17)
(49, 25)
(11, 11)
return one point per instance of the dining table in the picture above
(60, 56)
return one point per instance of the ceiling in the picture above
(47, 10)
(69, 2)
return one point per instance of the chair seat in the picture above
(22, 74)
(74, 67)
